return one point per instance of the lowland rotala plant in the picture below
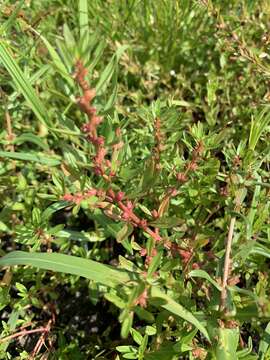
(115, 203)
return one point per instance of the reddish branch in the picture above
(10, 135)
(191, 165)
(22, 333)
(42, 339)
(125, 206)
(158, 143)
(44, 333)
(102, 166)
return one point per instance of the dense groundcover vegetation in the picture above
(134, 215)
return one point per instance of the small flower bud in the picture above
(119, 196)
(91, 192)
(89, 95)
(192, 166)
(68, 197)
(86, 127)
(143, 224)
(154, 252)
(129, 205)
(143, 252)
(173, 192)
(181, 177)
(111, 194)
(98, 171)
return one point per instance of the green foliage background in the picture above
(203, 69)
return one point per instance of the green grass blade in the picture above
(68, 36)
(7, 24)
(107, 74)
(67, 57)
(178, 310)
(97, 55)
(29, 137)
(23, 84)
(260, 250)
(227, 344)
(253, 209)
(114, 90)
(80, 236)
(97, 272)
(58, 63)
(41, 159)
(100, 273)
(83, 24)
(258, 125)
(204, 275)
(56, 206)
(264, 343)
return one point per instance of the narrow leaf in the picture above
(41, 159)
(100, 273)
(23, 84)
(178, 310)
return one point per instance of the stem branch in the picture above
(227, 264)
(22, 333)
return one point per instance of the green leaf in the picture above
(58, 63)
(150, 330)
(149, 175)
(126, 325)
(4, 296)
(165, 352)
(177, 309)
(167, 222)
(100, 273)
(29, 137)
(68, 36)
(126, 348)
(264, 343)
(253, 210)
(127, 264)
(59, 205)
(258, 125)
(227, 344)
(41, 159)
(260, 250)
(113, 96)
(108, 72)
(67, 57)
(23, 84)
(155, 263)
(245, 353)
(203, 274)
(80, 235)
(143, 346)
(83, 23)
(7, 24)
(97, 55)
(130, 356)
(124, 232)
(144, 314)
(137, 337)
